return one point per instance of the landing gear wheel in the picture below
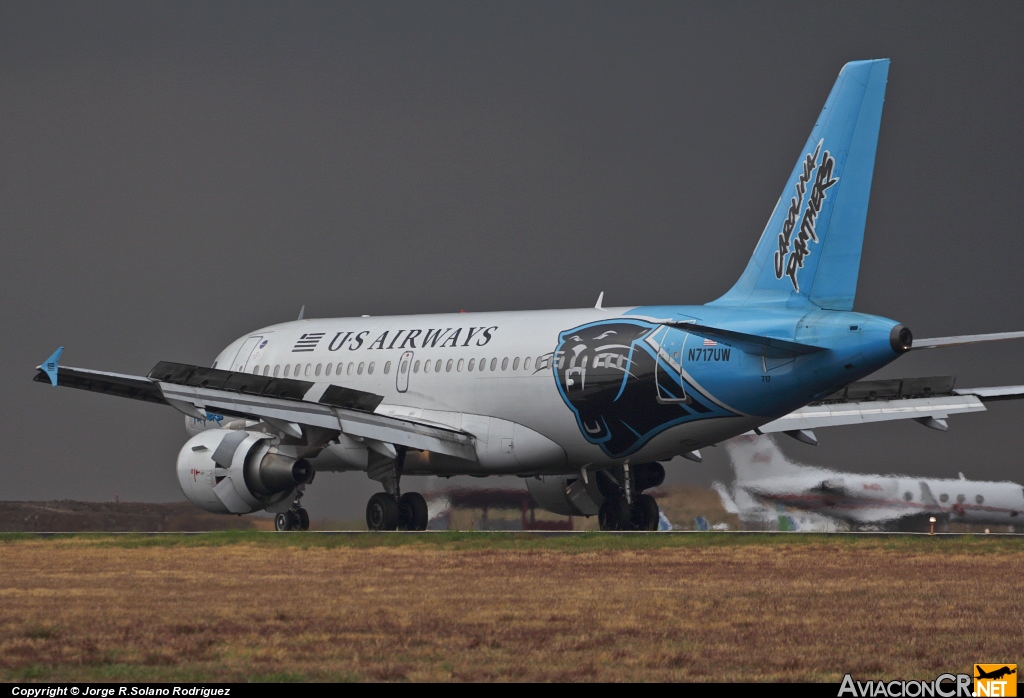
(614, 514)
(302, 517)
(645, 513)
(283, 521)
(382, 513)
(412, 509)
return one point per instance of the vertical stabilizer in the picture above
(809, 253)
(759, 457)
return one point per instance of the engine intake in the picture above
(237, 472)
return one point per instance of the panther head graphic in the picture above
(610, 373)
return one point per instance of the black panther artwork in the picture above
(622, 392)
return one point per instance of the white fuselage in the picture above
(485, 373)
(867, 499)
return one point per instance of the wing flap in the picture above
(424, 437)
(355, 423)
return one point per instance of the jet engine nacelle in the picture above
(566, 495)
(569, 495)
(238, 472)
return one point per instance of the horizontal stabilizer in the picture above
(936, 342)
(758, 345)
(1002, 392)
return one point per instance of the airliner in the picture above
(585, 404)
(869, 501)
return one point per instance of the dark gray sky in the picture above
(176, 174)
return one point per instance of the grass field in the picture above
(482, 607)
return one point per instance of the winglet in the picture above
(49, 367)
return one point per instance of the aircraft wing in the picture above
(285, 404)
(898, 516)
(929, 401)
(889, 519)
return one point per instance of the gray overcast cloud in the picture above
(175, 174)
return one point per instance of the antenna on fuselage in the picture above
(302, 313)
(600, 300)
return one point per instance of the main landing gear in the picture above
(295, 519)
(406, 513)
(392, 510)
(624, 507)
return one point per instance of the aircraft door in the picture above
(404, 369)
(250, 348)
(668, 344)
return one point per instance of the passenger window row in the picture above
(960, 499)
(429, 366)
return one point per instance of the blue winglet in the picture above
(49, 367)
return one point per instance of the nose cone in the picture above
(901, 339)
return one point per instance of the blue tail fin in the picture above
(809, 253)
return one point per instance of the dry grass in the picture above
(443, 608)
